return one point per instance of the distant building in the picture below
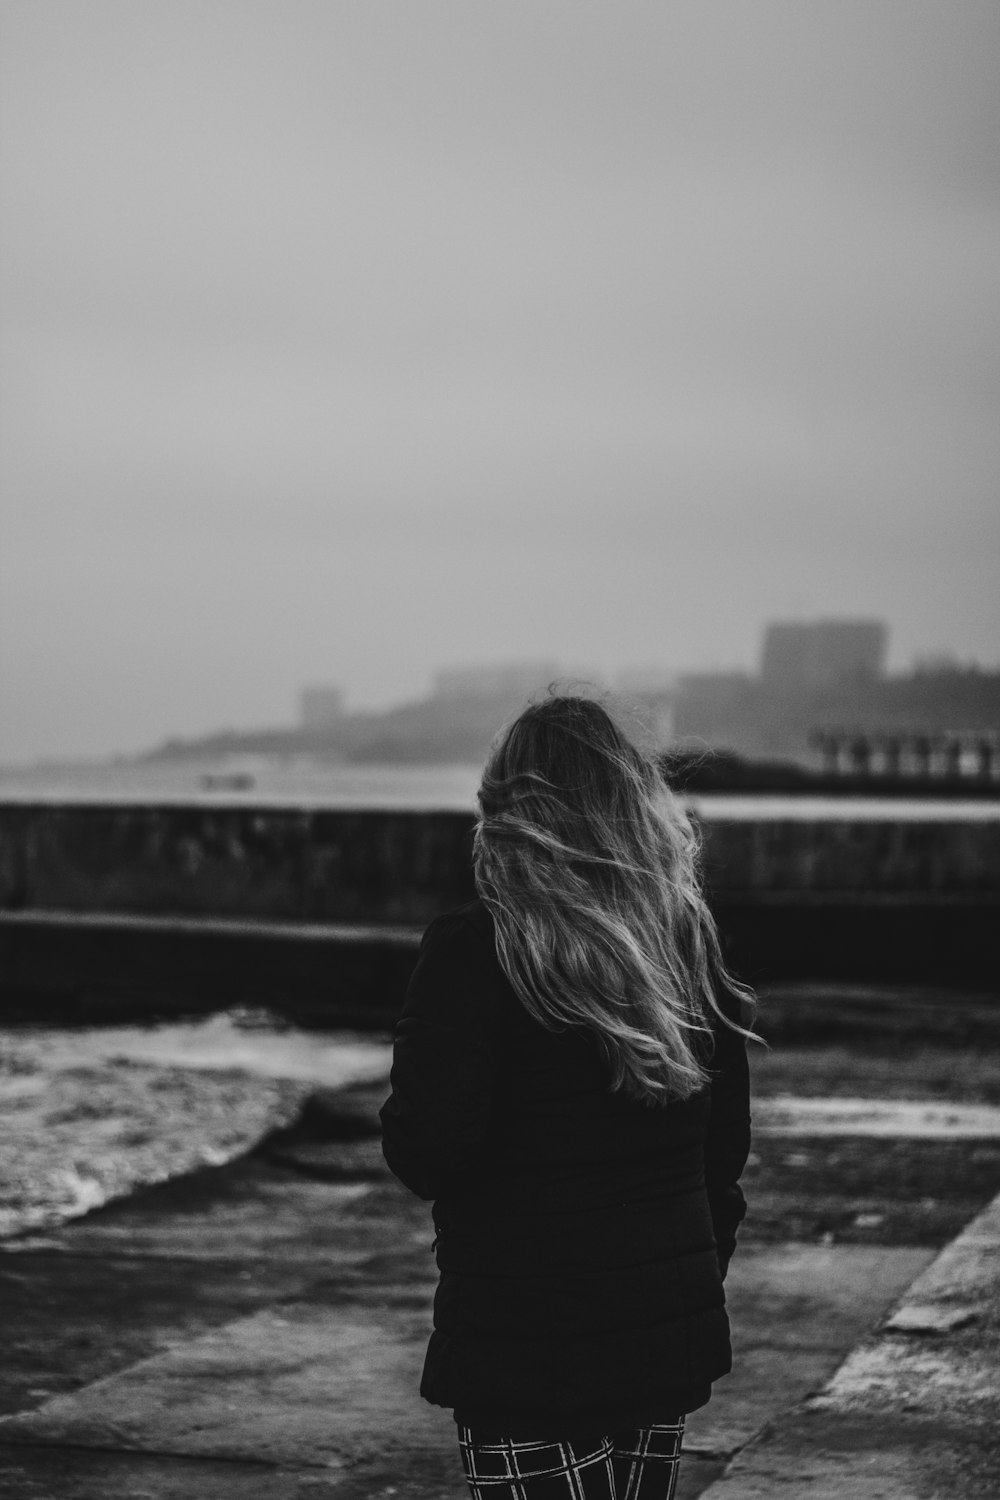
(811, 673)
(321, 707)
(823, 654)
(507, 680)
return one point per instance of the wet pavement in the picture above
(257, 1330)
(914, 1410)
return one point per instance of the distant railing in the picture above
(973, 755)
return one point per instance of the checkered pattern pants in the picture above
(641, 1464)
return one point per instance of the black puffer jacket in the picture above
(582, 1238)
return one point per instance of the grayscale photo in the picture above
(499, 749)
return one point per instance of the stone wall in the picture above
(273, 862)
(339, 865)
(106, 909)
(852, 854)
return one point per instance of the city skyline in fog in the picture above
(348, 342)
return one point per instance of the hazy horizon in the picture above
(343, 342)
(626, 686)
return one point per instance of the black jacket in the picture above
(582, 1237)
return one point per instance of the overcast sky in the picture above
(349, 339)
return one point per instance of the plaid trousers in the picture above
(640, 1464)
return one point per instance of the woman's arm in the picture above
(727, 1144)
(444, 1064)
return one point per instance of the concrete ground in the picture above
(257, 1330)
(914, 1410)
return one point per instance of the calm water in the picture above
(291, 780)
(299, 781)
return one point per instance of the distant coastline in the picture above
(306, 781)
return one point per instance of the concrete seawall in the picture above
(340, 865)
(272, 862)
(325, 905)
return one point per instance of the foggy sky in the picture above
(346, 340)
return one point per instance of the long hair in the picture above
(589, 866)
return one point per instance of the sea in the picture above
(279, 780)
(89, 1114)
(307, 782)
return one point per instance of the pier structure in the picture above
(967, 755)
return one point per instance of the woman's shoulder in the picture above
(464, 936)
(466, 923)
(458, 964)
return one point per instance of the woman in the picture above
(569, 1086)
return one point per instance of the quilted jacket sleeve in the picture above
(445, 1063)
(727, 1145)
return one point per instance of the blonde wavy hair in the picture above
(589, 866)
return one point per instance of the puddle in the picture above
(783, 1114)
